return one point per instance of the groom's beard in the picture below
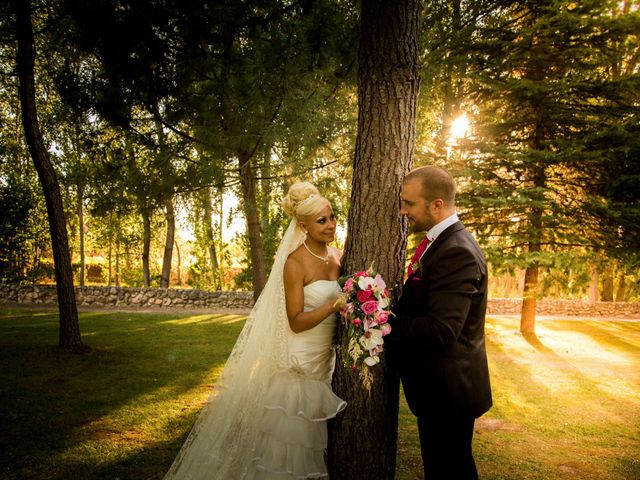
(420, 226)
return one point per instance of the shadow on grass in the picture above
(606, 333)
(533, 340)
(565, 417)
(141, 368)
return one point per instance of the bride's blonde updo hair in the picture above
(302, 200)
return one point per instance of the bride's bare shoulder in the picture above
(296, 255)
(294, 261)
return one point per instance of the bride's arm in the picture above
(299, 320)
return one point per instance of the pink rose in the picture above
(382, 317)
(386, 329)
(364, 295)
(348, 285)
(356, 322)
(360, 274)
(369, 307)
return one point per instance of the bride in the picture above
(266, 418)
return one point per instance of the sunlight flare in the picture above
(459, 127)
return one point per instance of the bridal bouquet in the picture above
(365, 315)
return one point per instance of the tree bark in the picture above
(621, 291)
(593, 287)
(109, 276)
(146, 247)
(208, 231)
(606, 293)
(363, 439)
(529, 299)
(69, 335)
(253, 223)
(538, 180)
(168, 245)
(117, 264)
(179, 266)
(81, 233)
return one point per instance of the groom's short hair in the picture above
(436, 183)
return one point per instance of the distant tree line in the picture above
(149, 108)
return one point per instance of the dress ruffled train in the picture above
(293, 435)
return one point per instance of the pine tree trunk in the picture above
(109, 276)
(621, 292)
(253, 224)
(69, 335)
(593, 287)
(529, 299)
(606, 294)
(146, 247)
(221, 265)
(165, 280)
(117, 264)
(538, 180)
(81, 234)
(211, 243)
(363, 439)
(179, 266)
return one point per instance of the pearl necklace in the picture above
(324, 259)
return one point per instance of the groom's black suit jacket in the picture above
(437, 342)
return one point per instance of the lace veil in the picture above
(221, 442)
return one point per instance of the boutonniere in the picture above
(416, 268)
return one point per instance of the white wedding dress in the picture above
(267, 416)
(299, 401)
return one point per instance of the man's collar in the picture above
(437, 229)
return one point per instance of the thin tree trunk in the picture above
(69, 335)
(529, 299)
(81, 232)
(593, 287)
(221, 265)
(208, 231)
(538, 180)
(606, 294)
(253, 224)
(168, 245)
(109, 277)
(146, 247)
(363, 438)
(179, 266)
(621, 292)
(530, 291)
(117, 264)
(265, 188)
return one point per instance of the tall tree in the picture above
(233, 80)
(170, 217)
(69, 327)
(388, 84)
(542, 92)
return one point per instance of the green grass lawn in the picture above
(565, 407)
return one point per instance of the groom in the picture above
(437, 341)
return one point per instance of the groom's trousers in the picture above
(445, 441)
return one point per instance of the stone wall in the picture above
(118, 297)
(172, 298)
(567, 308)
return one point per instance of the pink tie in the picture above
(416, 256)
